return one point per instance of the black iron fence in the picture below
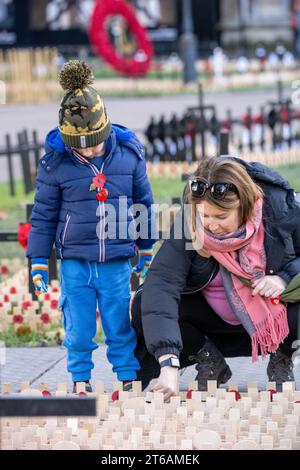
(28, 150)
(197, 132)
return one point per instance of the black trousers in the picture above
(197, 320)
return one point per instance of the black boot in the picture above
(280, 369)
(211, 365)
(88, 387)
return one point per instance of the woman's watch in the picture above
(171, 362)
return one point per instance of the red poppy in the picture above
(272, 392)
(45, 317)
(13, 290)
(4, 270)
(18, 319)
(102, 195)
(54, 304)
(46, 393)
(47, 296)
(99, 180)
(23, 234)
(55, 289)
(276, 300)
(6, 298)
(135, 66)
(26, 304)
(115, 395)
(1, 304)
(237, 394)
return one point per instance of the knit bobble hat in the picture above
(83, 120)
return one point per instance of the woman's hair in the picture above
(222, 170)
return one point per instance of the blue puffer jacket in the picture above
(67, 212)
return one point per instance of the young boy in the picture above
(88, 169)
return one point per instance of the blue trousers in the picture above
(83, 284)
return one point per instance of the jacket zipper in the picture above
(102, 216)
(202, 287)
(101, 240)
(188, 293)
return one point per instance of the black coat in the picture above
(176, 271)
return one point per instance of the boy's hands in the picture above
(145, 258)
(39, 274)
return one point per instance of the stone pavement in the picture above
(49, 365)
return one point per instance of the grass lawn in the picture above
(33, 339)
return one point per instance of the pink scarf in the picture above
(241, 253)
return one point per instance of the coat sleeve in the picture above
(45, 214)
(164, 284)
(142, 195)
(292, 267)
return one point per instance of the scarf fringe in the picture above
(269, 334)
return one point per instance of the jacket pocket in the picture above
(66, 313)
(65, 230)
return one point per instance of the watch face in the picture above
(174, 362)
(171, 362)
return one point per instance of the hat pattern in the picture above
(83, 120)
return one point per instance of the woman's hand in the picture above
(269, 286)
(167, 382)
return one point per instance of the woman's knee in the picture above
(136, 311)
(293, 315)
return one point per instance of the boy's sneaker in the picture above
(211, 365)
(127, 387)
(88, 387)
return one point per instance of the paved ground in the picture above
(132, 112)
(49, 365)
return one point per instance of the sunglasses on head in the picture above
(218, 191)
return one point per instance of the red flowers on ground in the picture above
(4, 270)
(54, 304)
(45, 317)
(18, 319)
(237, 394)
(26, 304)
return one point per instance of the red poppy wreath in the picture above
(139, 64)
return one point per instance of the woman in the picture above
(195, 306)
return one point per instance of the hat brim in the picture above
(91, 139)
